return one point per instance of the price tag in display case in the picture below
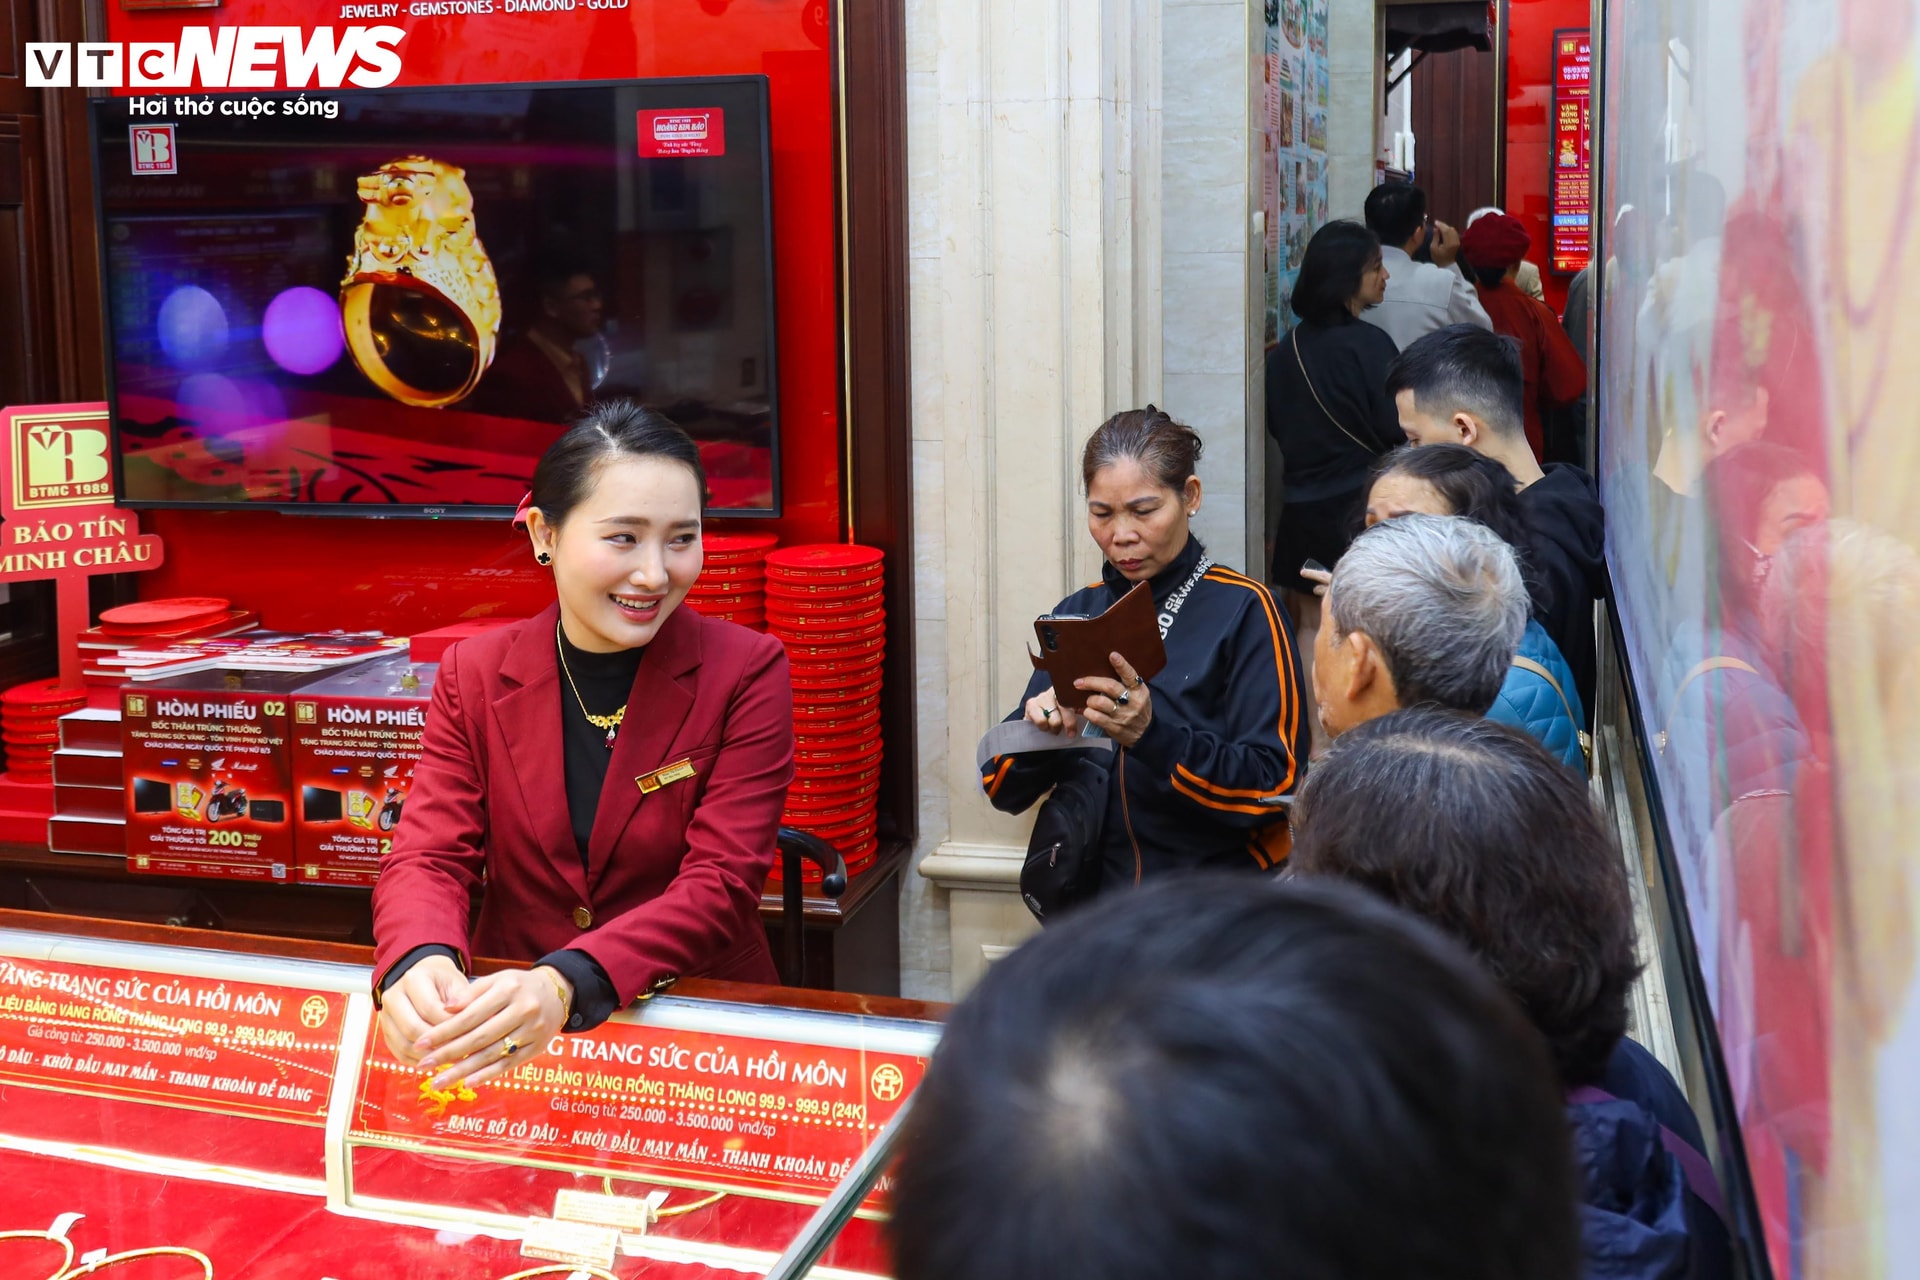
(661, 1096)
(233, 1047)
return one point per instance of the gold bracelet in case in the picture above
(62, 1241)
(158, 1251)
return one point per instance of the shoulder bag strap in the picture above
(1701, 668)
(1585, 738)
(1694, 1165)
(1308, 379)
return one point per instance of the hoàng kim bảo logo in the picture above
(61, 461)
(313, 1013)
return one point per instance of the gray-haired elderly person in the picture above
(1422, 611)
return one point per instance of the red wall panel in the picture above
(1528, 48)
(408, 575)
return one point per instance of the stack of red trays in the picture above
(733, 585)
(825, 602)
(30, 726)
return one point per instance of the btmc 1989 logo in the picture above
(65, 464)
(153, 150)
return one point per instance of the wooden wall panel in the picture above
(1456, 132)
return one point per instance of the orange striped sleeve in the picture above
(1289, 723)
(1258, 810)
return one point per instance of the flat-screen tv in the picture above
(393, 304)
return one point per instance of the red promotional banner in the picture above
(1572, 155)
(237, 1048)
(725, 1111)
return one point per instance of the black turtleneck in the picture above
(604, 681)
(1165, 582)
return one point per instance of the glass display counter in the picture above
(176, 1104)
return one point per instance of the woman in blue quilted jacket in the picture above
(1452, 480)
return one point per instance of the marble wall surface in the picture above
(1081, 191)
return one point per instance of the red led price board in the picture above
(1571, 167)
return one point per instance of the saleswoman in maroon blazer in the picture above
(616, 768)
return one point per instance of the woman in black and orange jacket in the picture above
(1212, 748)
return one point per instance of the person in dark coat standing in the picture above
(1209, 749)
(1327, 406)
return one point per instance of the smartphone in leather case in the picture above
(1074, 648)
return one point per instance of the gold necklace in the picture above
(610, 723)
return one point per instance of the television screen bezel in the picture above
(461, 511)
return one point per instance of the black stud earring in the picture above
(544, 558)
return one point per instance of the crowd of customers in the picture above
(1403, 1050)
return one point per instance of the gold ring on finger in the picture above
(509, 1047)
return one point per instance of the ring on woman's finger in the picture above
(1120, 701)
(509, 1047)
(1047, 712)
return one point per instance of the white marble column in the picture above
(1356, 75)
(1034, 194)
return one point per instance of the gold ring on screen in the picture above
(419, 303)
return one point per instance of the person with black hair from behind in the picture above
(1238, 1081)
(1511, 857)
(1463, 385)
(1421, 296)
(1327, 408)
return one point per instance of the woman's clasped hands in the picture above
(471, 1030)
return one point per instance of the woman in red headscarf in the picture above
(1493, 249)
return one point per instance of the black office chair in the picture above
(798, 846)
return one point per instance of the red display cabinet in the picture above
(176, 1103)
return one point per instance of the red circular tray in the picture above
(824, 560)
(747, 575)
(828, 808)
(850, 655)
(736, 546)
(176, 612)
(838, 709)
(827, 619)
(820, 701)
(857, 635)
(836, 591)
(832, 781)
(834, 680)
(44, 695)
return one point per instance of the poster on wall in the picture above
(1571, 164)
(1294, 148)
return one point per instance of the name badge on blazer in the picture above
(678, 771)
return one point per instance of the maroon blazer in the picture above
(674, 875)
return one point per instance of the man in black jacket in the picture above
(1463, 385)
